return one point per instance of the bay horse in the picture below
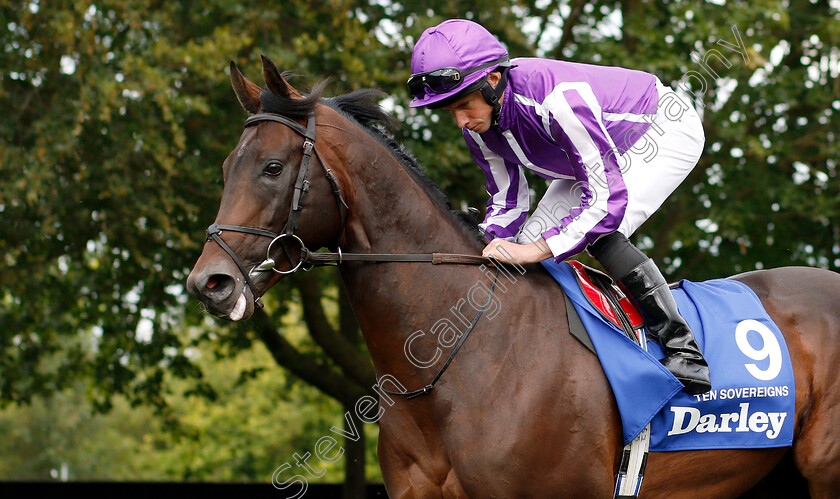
(524, 410)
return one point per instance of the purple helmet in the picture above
(453, 56)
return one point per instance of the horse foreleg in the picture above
(411, 470)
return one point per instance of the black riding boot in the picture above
(683, 357)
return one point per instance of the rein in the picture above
(309, 259)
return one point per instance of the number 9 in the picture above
(770, 348)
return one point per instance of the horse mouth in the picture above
(239, 308)
(242, 308)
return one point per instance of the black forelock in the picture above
(291, 108)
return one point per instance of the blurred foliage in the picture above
(257, 422)
(119, 115)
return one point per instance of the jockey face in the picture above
(472, 111)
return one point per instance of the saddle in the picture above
(608, 300)
(614, 306)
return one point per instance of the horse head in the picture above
(278, 192)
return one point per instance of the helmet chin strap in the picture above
(492, 95)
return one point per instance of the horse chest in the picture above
(510, 450)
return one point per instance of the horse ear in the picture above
(246, 91)
(275, 81)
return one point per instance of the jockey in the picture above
(612, 142)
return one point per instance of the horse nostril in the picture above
(219, 287)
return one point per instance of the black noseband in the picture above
(301, 189)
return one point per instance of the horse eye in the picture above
(274, 168)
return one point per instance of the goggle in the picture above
(442, 80)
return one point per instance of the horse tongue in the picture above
(239, 309)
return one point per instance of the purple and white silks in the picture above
(570, 122)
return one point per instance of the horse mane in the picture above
(361, 108)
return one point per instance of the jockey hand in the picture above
(514, 253)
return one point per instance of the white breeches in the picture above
(652, 169)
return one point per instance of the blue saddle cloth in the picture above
(751, 404)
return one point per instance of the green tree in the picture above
(111, 153)
(758, 198)
(259, 419)
(111, 146)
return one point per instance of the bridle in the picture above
(309, 259)
(301, 189)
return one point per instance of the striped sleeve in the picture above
(577, 115)
(509, 202)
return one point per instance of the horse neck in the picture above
(389, 212)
